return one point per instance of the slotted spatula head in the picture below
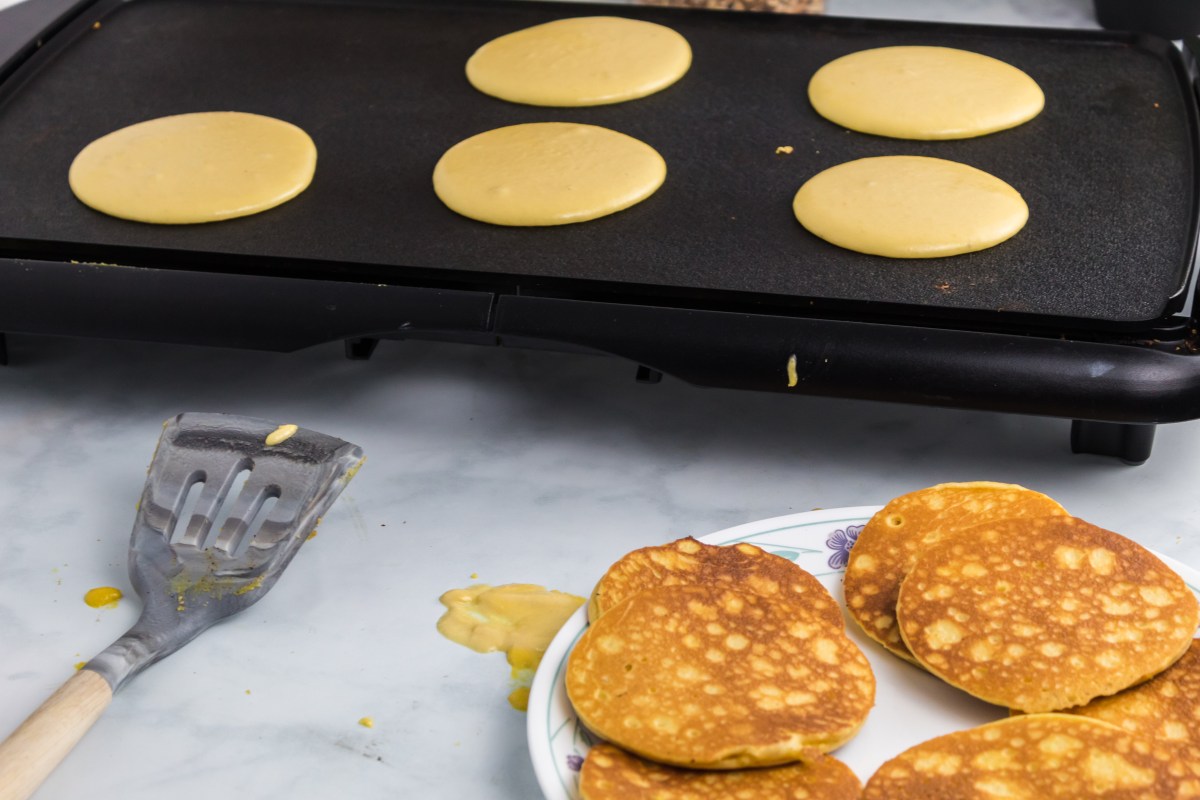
(256, 491)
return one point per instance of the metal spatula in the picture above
(188, 573)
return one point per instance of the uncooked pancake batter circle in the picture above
(547, 173)
(924, 93)
(581, 61)
(198, 167)
(909, 207)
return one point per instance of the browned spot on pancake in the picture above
(1044, 614)
(889, 543)
(610, 773)
(688, 561)
(1165, 709)
(771, 681)
(1033, 757)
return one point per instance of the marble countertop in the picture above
(508, 465)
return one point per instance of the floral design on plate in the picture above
(840, 542)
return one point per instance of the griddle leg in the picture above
(360, 349)
(1130, 443)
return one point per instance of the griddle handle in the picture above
(1129, 387)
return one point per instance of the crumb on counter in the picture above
(367, 722)
(786, 150)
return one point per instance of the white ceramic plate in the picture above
(910, 704)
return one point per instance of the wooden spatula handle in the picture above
(45, 738)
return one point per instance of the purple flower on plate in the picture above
(574, 763)
(840, 542)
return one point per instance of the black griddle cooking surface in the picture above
(1108, 169)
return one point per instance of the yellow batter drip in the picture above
(519, 619)
(924, 93)
(280, 435)
(583, 61)
(194, 168)
(909, 207)
(547, 173)
(103, 597)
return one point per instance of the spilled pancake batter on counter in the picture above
(518, 619)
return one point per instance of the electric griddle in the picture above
(1087, 314)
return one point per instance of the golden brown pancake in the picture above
(888, 545)
(1165, 709)
(711, 678)
(609, 773)
(687, 561)
(1044, 614)
(1034, 757)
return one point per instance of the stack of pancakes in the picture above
(703, 661)
(998, 591)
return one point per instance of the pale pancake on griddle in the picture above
(1044, 614)
(889, 543)
(711, 678)
(609, 773)
(1033, 757)
(687, 561)
(1165, 709)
